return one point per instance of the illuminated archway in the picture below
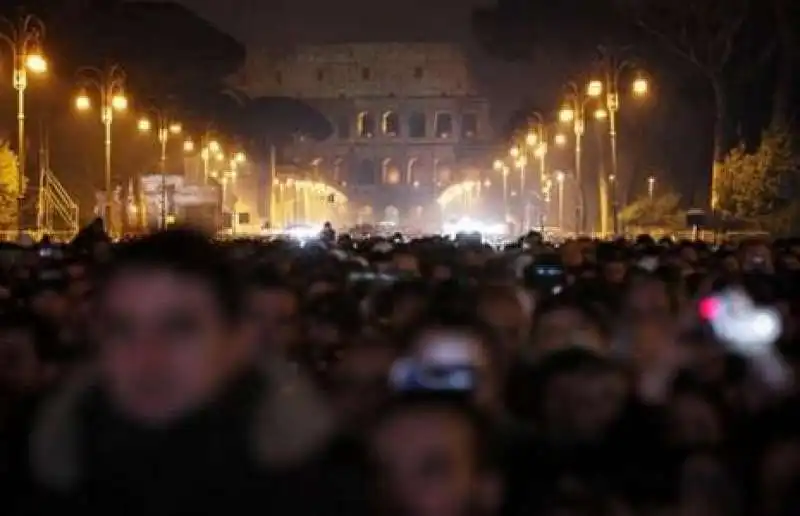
(297, 200)
(459, 198)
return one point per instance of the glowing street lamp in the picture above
(640, 86)
(214, 146)
(240, 157)
(560, 139)
(36, 63)
(567, 114)
(83, 102)
(594, 88)
(532, 139)
(560, 180)
(188, 146)
(165, 128)
(600, 114)
(24, 37)
(110, 84)
(497, 165)
(514, 152)
(119, 102)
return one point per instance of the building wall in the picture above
(406, 121)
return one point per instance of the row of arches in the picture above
(390, 124)
(370, 172)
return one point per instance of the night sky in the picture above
(253, 20)
(263, 22)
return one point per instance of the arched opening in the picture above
(391, 215)
(391, 124)
(444, 125)
(366, 125)
(469, 125)
(412, 172)
(390, 173)
(365, 175)
(442, 172)
(416, 125)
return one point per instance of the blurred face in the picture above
(614, 272)
(359, 382)
(565, 327)
(693, 422)
(406, 263)
(649, 300)
(426, 463)
(571, 255)
(165, 347)
(50, 304)
(580, 406)
(274, 312)
(506, 316)
(20, 369)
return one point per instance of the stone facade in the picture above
(406, 119)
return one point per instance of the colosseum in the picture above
(407, 122)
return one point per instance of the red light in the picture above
(708, 308)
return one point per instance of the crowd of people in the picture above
(173, 374)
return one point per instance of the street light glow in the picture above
(83, 102)
(119, 102)
(188, 146)
(514, 152)
(560, 140)
(594, 88)
(175, 128)
(567, 114)
(531, 139)
(560, 176)
(144, 125)
(640, 86)
(240, 157)
(36, 63)
(600, 114)
(522, 161)
(220, 156)
(497, 165)
(214, 146)
(540, 151)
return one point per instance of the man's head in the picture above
(273, 307)
(433, 458)
(169, 325)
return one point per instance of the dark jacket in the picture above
(248, 453)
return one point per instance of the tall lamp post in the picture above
(24, 38)
(110, 85)
(537, 140)
(560, 179)
(166, 128)
(574, 112)
(612, 70)
(500, 166)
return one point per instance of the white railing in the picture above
(57, 204)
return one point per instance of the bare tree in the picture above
(702, 32)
